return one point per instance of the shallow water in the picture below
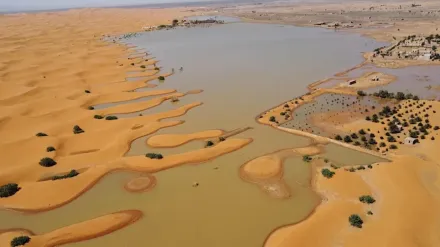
(243, 69)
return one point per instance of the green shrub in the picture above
(161, 78)
(41, 134)
(367, 199)
(347, 139)
(307, 158)
(351, 169)
(361, 93)
(91, 108)
(272, 119)
(221, 139)
(50, 149)
(334, 166)
(19, 241)
(98, 117)
(86, 91)
(370, 166)
(111, 118)
(326, 160)
(8, 190)
(355, 220)
(154, 156)
(392, 146)
(77, 130)
(143, 66)
(327, 173)
(370, 213)
(156, 68)
(71, 174)
(362, 132)
(209, 144)
(47, 162)
(338, 137)
(361, 167)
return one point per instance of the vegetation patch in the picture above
(111, 118)
(91, 108)
(307, 158)
(71, 174)
(154, 156)
(47, 162)
(77, 130)
(50, 149)
(41, 134)
(327, 173)
(86, 91)
(367, 199)
(209, 144)
(8, 190)
(161, 78)
(98, 117)
(19, 241)
(355, 220)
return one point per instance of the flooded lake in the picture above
(243, 69)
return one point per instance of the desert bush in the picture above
(19, 241)
(354, 136)
(351, 169)
(154, 156)
(86, 91)
(370, 166)
(393, 146)
(362, 132)
(77, 130)
(382, 144)
(327, 173)
(98, 117)
(143, 66)
(41, 134)
(391, 139)
(367, 199)
(307, 158)
(347, 139)
(361, 93)
(338, 137)
(370, 213)
(221, 139)
(209, 144)
(47, 162)
(356, 143)
(436, 128)
(161, 78)
(50, 149)
(355, 220)
(8, 190)
(91, 108)
(71, 174)
(111, 118)
(272, 119)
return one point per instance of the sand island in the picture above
(125, 124)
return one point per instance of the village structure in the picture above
(184, 23)
(412, 48)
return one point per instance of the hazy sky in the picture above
(14, 5)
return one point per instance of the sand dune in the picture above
(78, 232)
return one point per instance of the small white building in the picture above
(411, 141)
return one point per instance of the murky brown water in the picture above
(243, 70)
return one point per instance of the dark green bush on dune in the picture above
(47, 162)
(8, 190)
(71, 174)
(50, 149)
(355, 220)
(111, 118)
(19, 241)
(154, 156)
(367, 199)
(327, 173)
(209, 144)
(161, 78)
(41, 134)
(77, 130)
(98, 117)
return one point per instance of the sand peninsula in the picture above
(55, 67)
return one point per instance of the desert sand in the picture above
(54, 67)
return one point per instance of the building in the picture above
(411, 141)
